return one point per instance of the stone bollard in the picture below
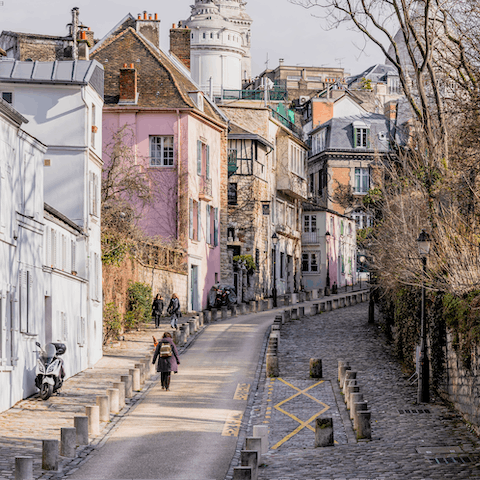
(359, 407)
(272, 365)
(242, 473)
(50, 454)
(323, 432)
(214, 314)
(135, 373)
(81, 426)
(349, 375)
(258, 305)
(353, 300)
(351, 387)
(233, 310)
(335, 304)
(275, 327)
(342, 372)
(355, 397)
(314, 309)
(114, 398)
(316, 368)
(191, 324)
(287, 315)
(103, 405)
(261, 431)
(148, 364)
(182, 335)
(68, 442)
(249, 458)
(128, 381)
(177, 337)
(301, 312)
(270, 303)
(364, 429)
(254, 444)
(207, 316)
(224, 313)
(93, 414)
(146, 368)
(241, 308)
(341, 363)
(308, 295)
(328, 306)
(23, 468)
(253, 306)
(322, 307)
(120, 386)
(294, 313)
(141, 369)
(348, 300)
(201, 320)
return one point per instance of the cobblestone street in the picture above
(404, 445)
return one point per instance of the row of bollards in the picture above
(358, 408)
(251, 455)
(272, 366)
(89, 424)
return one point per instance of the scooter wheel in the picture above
(46, 391)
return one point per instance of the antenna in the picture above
(266, 63)
(339, 60)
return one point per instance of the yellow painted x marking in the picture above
(302, 423)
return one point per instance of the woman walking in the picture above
(168, 361)
(174, 310)
(157, 309)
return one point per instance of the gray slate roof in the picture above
(377, 73)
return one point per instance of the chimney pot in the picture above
(156, 16)
(149, 16)
(174, 25)
(132, 66)
(124, 65)
(83, 35)
(144, 14)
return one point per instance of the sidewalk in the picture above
(404, 445)
(32, 420)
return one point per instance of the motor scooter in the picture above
(49, 371)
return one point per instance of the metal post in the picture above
(274, 289)
(423, 384)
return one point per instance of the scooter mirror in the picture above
(38, 345)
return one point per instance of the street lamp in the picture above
(327, 286)
(274, 289)
(362, 259)
(423, 395)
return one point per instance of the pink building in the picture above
(179, 140)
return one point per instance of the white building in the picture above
(220, 44)
(62, 102)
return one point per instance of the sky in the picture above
(279, 30)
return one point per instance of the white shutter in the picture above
(30, 302)
(90, 193)
(64, 253)
(22, 283)
(64, 327)
(81, 331)
(2, 188)
(48, 243)
(54, 249)
(74, 256)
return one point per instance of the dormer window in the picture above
(361, 135)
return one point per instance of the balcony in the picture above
(205, 191)
(291, 184)
(311, 238)
(287, 231)
(287, 123)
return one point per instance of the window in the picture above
(362, 180)
(280, 207)
(25, 278)
(291, 217)
(297, 160)
(310, 223)
(362, 219)
(53, 246)
(232, 193)
(208, 224)
(203, 159)
(361, 135)
(161, 151)
(310, 261)
(94, 195)
(257, 258)
(7, 96)
(319, 141)
(282, 262)
(312, 183)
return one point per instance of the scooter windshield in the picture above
(48, 353)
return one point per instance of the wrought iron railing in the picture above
(276, 94)
(285, 121)
(311, 238)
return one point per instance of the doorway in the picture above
(194, 288)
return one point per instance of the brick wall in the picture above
(180, 44)
(128, 84)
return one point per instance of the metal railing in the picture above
(286, 122)
(276, 94)
(311, 238)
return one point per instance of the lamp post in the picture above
(274, 289)
(327, 280)
(423, 395)
(362, 260)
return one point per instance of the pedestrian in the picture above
(174, 311)
(157, 309)
(168, 361)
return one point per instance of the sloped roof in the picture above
(376, 73)
(160, 81)
(8, 110)
(237, 132)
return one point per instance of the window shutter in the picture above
(190, 222)
(90, 192)
(22, 280)
(48, 246)
(30, 301)
(207, 173)
(199, 157)
(207, 225)
(53, 258)
(215, 231)
(81, 331)
(354, 138)
(368, 137)
(74, 256)
(199, 220)
(95, 195)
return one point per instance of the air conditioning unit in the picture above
(303, 99)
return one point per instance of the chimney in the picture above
(322, 111)
(149, 27)
(390, 110)
(180, 44)
(281, 61)
(128, 85)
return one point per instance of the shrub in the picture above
(112, 324)
(139, 297)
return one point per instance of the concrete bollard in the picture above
(314, 309)
(349, 375)
(103, 403)
(191, 325)
(355, 397)
(351, 387)
(120, 386)
(353, 300)
(214, 314)
(249, 458)
(233, 310)
(135, 373)
(275, 327)
(68, 442)
(141, 369)
(242, 473)
(201, 319)
(261, 431)
(294, 313)
(342, 371)
(93, 414)
(272, 365)
(241, 309)
(335, 304)
(114, 400)
(308, 295)
(253, 306)
(207, 317)
(287, 315)
(323, 307)
(348, 300)
(146, 368)
(258, 305)
(270, 303)
(148, 364)
(287, 300)
(177, 337)
(324, 432)
(81, 426)
(341, 363)
(328, 306)
(128, 381)
(364, 424)
(301, 312)
(254, 444)
(23, 468)
(50, 450)
(224, 313)
(359, 407)
(182, 335)
(316, 368)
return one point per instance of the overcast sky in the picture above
(280, 29)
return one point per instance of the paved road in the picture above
(190, 432)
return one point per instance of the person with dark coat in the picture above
(157, 309)
(174, 310)
(166, 365)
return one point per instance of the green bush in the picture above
(249, 262)
(112, 324)
(139, 297)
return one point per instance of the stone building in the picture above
(220, 44)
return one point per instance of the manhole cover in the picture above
(439, 451)
(418, 410)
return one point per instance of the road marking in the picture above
(232, 424)
(301, 422)
(241, 393)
